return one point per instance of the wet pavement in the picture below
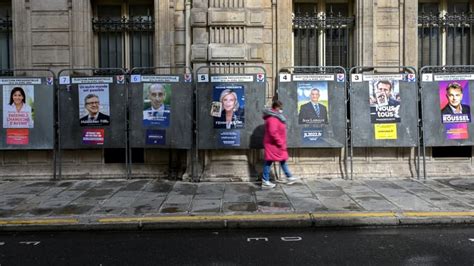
(140, 197)
(149, 197)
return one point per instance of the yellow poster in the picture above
(385, 131)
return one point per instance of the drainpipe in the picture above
(188, 32)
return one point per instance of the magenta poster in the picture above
(455, 104)
(456, 131)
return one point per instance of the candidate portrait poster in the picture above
(313, 102)
(94, 106)
(230, 100)
(384, 101)
(18, 106)
(156, 104)
(454, 102)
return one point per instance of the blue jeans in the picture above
(267, 167)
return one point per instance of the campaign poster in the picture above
(311, 135)
(313, 102)
(94, 106)
(18, 106)
(385, 131)
(455, 104)
(156, 104)
(229, 138)
(228, 105)
(457, 131)
(384, 101)
(17, 136)
(155, 137)
(93, 136)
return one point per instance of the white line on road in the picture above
(257, 238)
(34, 243)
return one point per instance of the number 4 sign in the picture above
(285, 77)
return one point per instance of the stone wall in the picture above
(58, 34)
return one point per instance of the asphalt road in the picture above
(349, 246)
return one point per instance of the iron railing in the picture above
(111, 33)
(445, 40)
(334, 32)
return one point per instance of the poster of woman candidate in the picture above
(384, 101)
(156, 104)
(18, 106)
(94, 107)
(313, 102)
(231, 99)
(454, 101)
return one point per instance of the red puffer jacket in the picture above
(274, 140)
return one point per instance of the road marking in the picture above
(201, 218)
(438, 214)
(353, 214)
(44, 221)
(291, 238)
(34, 243)
(257, 239)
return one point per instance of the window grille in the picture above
(444, 37)
(124, 41)
(322, 39)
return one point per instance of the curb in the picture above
(272, 220)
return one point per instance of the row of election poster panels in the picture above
(93, 111)
(383, 108)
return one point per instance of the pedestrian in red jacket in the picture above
(274, 143)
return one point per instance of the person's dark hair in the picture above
(15, 90)
(386, 82)
(277, 104)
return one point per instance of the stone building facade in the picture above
(59, 34)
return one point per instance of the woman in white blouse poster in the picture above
(17, 102)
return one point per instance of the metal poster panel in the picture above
(92, 112)
(314, 105)
(447, 117)
(27, 113)
(384, 110)
(161, 111)
(230, 111)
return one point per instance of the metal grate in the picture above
(111, 33)
(311, 31)
(455, 29)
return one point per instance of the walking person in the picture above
(274, 142)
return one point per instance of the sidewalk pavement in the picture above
(156, 204)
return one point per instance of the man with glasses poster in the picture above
(92, 106)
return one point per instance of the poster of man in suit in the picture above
(313, 102)
(454, 102)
